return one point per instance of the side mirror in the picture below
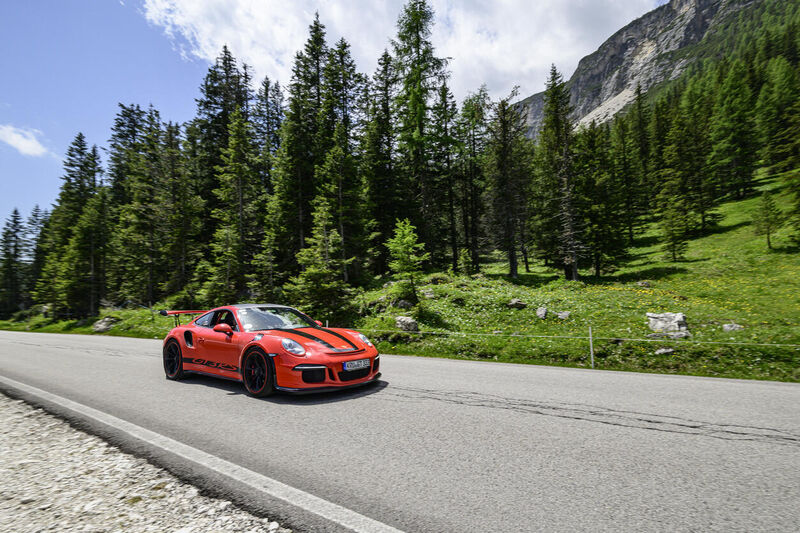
(319, 322)
(223, 328)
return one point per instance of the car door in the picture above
(220, 350)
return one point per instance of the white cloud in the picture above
(23, 140)
(501, 43)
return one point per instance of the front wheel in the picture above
(173, 363)
(257, 374)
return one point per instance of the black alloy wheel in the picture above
(257, 374)
(173, 365)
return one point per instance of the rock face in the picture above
(645, 52)
(406, 323)
(104, 324)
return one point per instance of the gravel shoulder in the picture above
(54, 477)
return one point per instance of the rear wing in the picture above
(176, 314)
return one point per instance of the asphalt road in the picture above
(443, 445)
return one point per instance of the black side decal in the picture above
(309, 336)
(212, 364)
(345, 339)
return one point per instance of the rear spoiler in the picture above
(176, 314)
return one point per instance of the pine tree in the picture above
(239, 197)
(507, 169)
(472, 134)
(639, 120)
(732, 157)
(768, 219)
(80, 284)
(137, 269)
(419, 70)
(123, 147)
(675, 219)
(626, 174)
(79, 183)
(35, 231)
(443, 151)
(601, 199)
(555, 221)
(267, 116)
(12, 267)
(779, 93)
(386, 196)
(180, 210)
(407, 256)
(319, 289)
(293, 180)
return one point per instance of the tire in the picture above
(173, 360)
(257, 373)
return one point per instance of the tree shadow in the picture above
(527, 279)
(719, 229)
(645, 274)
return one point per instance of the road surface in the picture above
(461, 446)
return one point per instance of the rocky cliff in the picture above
(651, 49)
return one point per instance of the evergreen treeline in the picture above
(301, 193)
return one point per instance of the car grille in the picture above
(350, 375)
(314, 375)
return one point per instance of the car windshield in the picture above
(263, 318)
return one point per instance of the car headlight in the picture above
(293, 347)
(364, 339)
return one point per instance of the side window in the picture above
(205, 320)
(226, 317)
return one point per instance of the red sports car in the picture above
(268, 348)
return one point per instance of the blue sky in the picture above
(67, 63)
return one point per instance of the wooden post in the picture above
(591, 346)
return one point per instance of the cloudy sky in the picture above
(66, 64)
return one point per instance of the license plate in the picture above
(356, 365)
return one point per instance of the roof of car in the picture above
(248, 306)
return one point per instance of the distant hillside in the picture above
(657, 47)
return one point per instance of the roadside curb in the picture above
(252, 491)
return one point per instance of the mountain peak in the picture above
(646, 52)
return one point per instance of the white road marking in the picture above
(272, 487)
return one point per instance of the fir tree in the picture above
(419, 71)
(267, 116)
(319, 288)
(239, 197)
(732, 156)
(407, 256)
(443, 149)
(386, 197)
(472, 134)
(555, 221)
(674, 216)
(12, 267)
(507, 169)
(768, 219)
(779, 93)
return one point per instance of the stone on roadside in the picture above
(406, 323)
(661, 322)
(670, 335)
(541, 312)
(516, 303)
(732, 327)
(563, 315)
(643, 284)
(104, 324)
(664, 351)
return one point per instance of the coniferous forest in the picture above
(305, 190)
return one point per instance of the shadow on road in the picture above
(234, 388)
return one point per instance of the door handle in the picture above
(201, 340)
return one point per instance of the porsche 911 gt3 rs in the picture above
(268, 348)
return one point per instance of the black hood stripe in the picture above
(345, 339)
(309, 336)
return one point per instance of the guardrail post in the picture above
(591, 346)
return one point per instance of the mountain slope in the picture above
(654, 48)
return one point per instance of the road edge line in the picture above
(328, 511)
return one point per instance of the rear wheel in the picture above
(173, 362)
(257, 373)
